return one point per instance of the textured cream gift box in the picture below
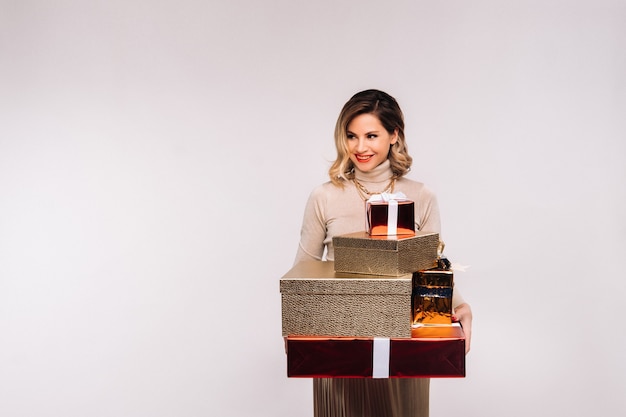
(385, 255)
(317, 301)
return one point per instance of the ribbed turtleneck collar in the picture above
(382, 173)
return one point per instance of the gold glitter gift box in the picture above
(318, 301)
(361, 253)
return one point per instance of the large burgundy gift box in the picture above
(431, 352)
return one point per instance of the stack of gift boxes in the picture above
(382, 309)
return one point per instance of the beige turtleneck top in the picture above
(332, 211)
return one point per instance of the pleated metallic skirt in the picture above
(364, 397)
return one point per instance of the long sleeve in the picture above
(313, 231)
(429, 221)
(427, 211)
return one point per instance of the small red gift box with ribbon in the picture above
(390, 215)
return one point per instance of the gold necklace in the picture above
(366, 194)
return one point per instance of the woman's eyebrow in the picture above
(348, 132)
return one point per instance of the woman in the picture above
(372, 158)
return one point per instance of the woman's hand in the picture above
(463, 315)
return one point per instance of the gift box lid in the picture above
(421, 332)
(319, 277)
(363, 240)
(434, 277)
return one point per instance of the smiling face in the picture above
(368, 141)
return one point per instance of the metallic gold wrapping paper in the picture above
(317, 301)
(385, 255)
(432, 296)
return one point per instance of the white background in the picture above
(156, 156)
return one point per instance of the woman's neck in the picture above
(382, 173)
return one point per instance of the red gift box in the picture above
(390, 218)
(431, 352)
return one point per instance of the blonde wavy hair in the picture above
(387, 110)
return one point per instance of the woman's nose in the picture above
(361, 146)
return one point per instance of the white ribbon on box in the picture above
(392, 215)
(380, 360)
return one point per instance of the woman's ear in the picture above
(394, 137)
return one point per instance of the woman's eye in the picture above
(350, 136)
(372, 136)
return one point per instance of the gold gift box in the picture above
(361, 253)
(317, 301)
(432, 296)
